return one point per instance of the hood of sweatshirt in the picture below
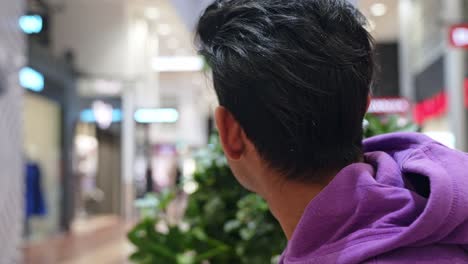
(410, 193)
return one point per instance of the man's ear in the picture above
(230, 133)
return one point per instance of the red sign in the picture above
(435, 106)
(458, 36)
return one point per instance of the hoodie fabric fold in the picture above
(406, 203)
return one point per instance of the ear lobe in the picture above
(230, 133)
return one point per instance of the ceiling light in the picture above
(378, 9)
(88, 116)
(31, 24)
(103, 113)
(31, 79)
(164, 29)
(152, 13)
(156, 115)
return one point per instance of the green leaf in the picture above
(232, 225)
(139, 256)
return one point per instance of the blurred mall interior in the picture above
(104, 101)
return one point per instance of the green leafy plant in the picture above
(175, 245)
(375, 125)
(172, 247)
(226, 223)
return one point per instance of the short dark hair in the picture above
(295, 74)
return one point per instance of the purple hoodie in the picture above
(408, 203)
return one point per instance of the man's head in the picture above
(293, 80)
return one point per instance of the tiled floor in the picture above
(100, 240)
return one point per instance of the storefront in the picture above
(45, 128)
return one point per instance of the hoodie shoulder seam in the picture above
(456, 196)
(424, 148)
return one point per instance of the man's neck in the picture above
(288, 200)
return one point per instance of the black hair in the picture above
(296, 75)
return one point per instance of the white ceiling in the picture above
(175, 39)
(180, 17)
(386, 27)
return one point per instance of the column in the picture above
(128, 152)
(454, 78)
(406, 20)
